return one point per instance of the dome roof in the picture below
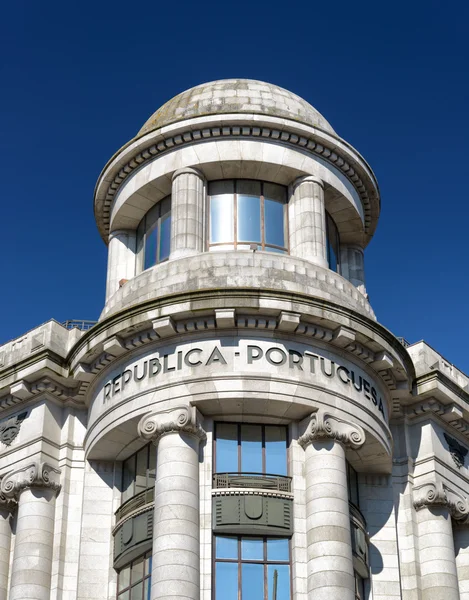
(236, 96)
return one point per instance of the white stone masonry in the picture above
(121, 259)
(187, 213)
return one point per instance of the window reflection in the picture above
(258, 567)
(333, 246)
(245, 212)
(138, 472)
(134, 580)
(250, 448)
(154, 235)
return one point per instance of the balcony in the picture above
(133, 533)
(276, 483)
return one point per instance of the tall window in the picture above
(333, 246)
(139, 472)
(248, 568)
(246, 448)
(245, 212)
(154, 234)
(352, 484)
(134, 580)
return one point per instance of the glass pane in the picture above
(152, 217)
(252, 584)
(140, 243)
(274, 226)
(151, 468)
(251, 448)
(276, 450)
(278, 549)
(332, 243)
(165, 206)
(124, 578)
(221, 219)
(137, 570)
(352, 485)
(150, 248)
(278, 250)
(249, 219)
(224, 186)
(227, 448)
(136, 593)
(147, 589)
(226, 581)
(165, 237)
(275, 192)
(248, 187)
(141, 475)
(252, 549)
(226, 547)
(124, 595)
(278, 582)
(128, 479)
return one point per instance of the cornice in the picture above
(182, 419)
(325, 426)
(33, 475)
(313, 141)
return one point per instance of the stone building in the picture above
(237, 425)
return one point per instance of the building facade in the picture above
(237, 425)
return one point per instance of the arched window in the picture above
(245, 212)
(153, 235)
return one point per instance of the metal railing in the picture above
(404, 342)
(136, 502)
(278, 483)
(81, 324)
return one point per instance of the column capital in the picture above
(436, 493)
(182, 419)
(325, 426)
(308, 179)
(188, 171)
(33, 475)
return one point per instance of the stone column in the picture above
(461, 547)
(307, 221)
(352, 265)
(330, 559)
(36, 487)
(6, 506)
(176, 545)
(435, 505)
(121, 261)
(187, 213)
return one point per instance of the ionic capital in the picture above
(324, 426)
(182, 419)
(33, 475)
(436, 493)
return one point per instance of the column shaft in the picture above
(32, 559)
(187, 213)
(307, 221)
(176, 546)
(461, 546)
(330, 561)
(439, 578)
(121, 259)
(5, 543)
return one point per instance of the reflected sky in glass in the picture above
(227, 448)
(150, 248)
(249, 219)
(221, 218)
(252, 581)
(275, 450)
(283, 582)
(226, 547)
(273, 222)
(251, 448)
(252, 549)
(226, 581)
(278, 549)
(165, 236)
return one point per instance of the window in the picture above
(352, 484)
(134, 580)
(245, 212)
(249, 568)
(333, 246)
(359, 587)
(139, 472)
(241, 447)
(154, 234)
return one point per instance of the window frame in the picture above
(146, 576)
(239, 562)
(149, 448)
(239, 426)
(262, 245)
(329, 234)
(143, 232)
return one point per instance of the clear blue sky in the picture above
(80, 78)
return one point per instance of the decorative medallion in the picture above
(458, 452)
(10, 428)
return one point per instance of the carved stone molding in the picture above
(434, 493)
(323, 426)
(182, 419)
(33, 475)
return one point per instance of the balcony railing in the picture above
(277, 483)
(80, 324)
(136, 502)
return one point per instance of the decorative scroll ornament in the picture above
(457, 451)
(179, 419)
(323, 426)
(33, 475)
(438, 494)
(9, 428)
